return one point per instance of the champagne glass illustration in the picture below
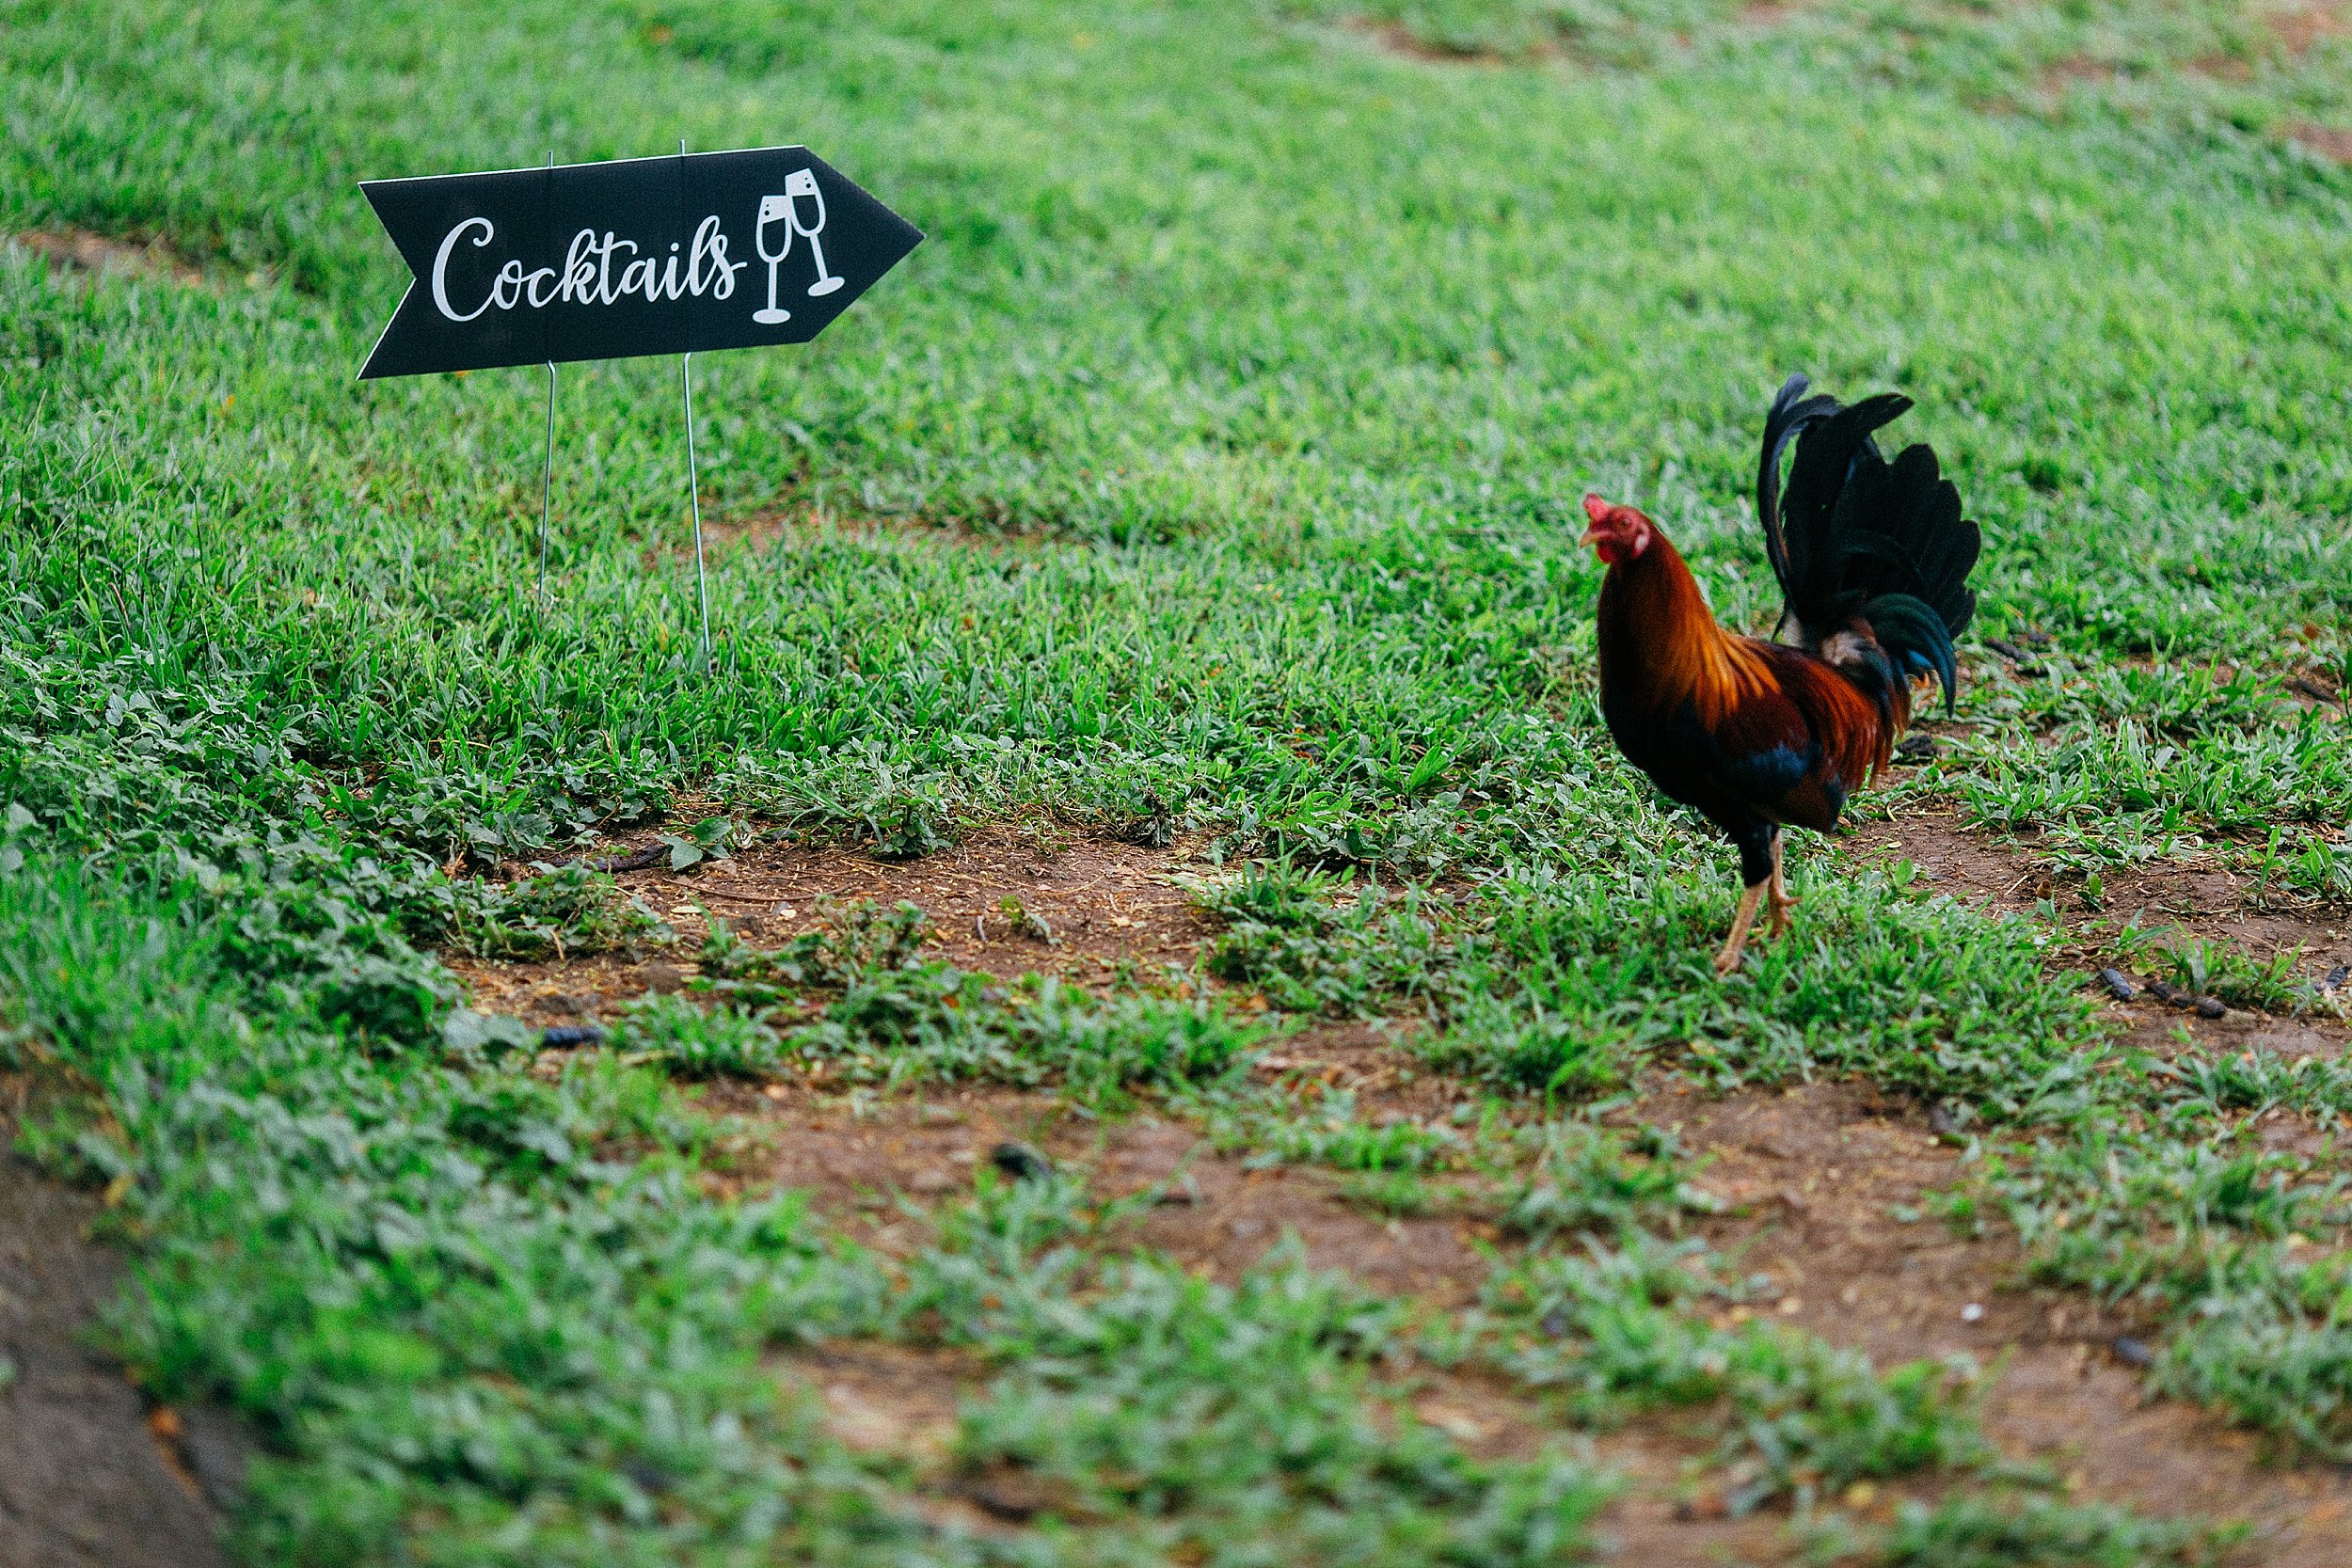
(775, 210)
(802, 182)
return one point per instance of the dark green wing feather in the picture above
(1855, 536)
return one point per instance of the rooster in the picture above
(1873, 561)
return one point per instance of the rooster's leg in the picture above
(1778, 892)
(1728, 959)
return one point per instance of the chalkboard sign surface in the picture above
(675, 255)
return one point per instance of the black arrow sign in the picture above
(676, 254)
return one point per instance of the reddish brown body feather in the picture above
(1855, 737)
(1666, 664)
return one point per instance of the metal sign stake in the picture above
(546, 485)
(546, 468)
(693, 484)
(693, 496)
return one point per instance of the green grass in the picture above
(1211, 469)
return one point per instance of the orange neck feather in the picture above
(1660, 645)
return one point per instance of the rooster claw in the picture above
(1777, 894)
(1728, 959)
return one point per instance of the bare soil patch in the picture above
(2196, 903)
(880, 1398)
(2300, 27)
(85, 251)
(2325, 140)
(904, 1402)
(2060, 75)
(1662, 1519)
(2221, 67)
(861, 1158)
(89, 1478)
(1104, 904)
(1397, 39)
(1816, 1173)
(1813, 1176)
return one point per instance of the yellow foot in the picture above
(1776, 889)
(1728, 959)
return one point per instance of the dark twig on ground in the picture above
(2313, 690)
(2173, 996)
(2019, 660)
(636, 860)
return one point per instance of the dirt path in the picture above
(1817, 1178)
(1817, 1174)
(89, 1477)
(1102, 908)
(1813, 1177)
(2196, 904)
